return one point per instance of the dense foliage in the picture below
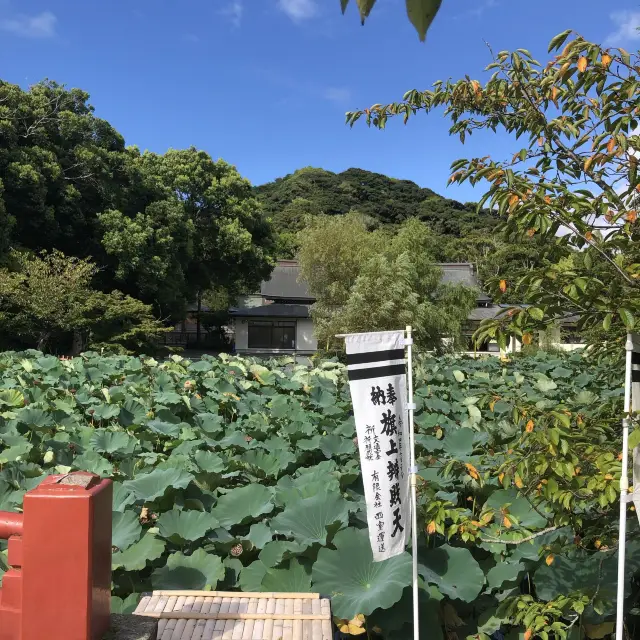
(459, 232)
(375, 281)
(162, 229)
(232, 474)
(574, 182)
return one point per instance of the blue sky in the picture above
(265, 84)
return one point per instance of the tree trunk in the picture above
(198, 317)
(42, 340)
(78, 343)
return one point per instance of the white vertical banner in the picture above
(633, 340)
(378, 383)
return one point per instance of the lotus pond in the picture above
(233, 474)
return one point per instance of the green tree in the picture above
(573, 184)
(372, 280)
(49, 299)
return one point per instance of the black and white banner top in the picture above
(378, 384)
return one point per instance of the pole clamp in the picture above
(408, 342)
(411, 406)
(414, 469)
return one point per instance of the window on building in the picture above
(272, 334)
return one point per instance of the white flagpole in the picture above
(624, 492)
(412, 478)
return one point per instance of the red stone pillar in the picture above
(59, 584)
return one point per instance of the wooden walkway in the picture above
(217, 615)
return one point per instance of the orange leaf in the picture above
(638, 187)
(506, 522)
(611, 145)
(588, 162)
(527, 338)
(631, 216)
(588, 236)
(473, 472)
(529, 426)
(431, 527)
(531, 232)
(503, 285)
(549, 559)
(518, 481)
(582, 64)
(527, 634)
(540, 141)
(513, 200)
(554, 93)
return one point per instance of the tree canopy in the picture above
(368, 280)
(159, 228)
(574, 183)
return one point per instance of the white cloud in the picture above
(234, 11)
(42, 25)
(299, 10)
(337, 95)
(627, 23)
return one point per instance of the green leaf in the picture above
(251, 577)
(454, 570)
(536, 313)
(294, 579)
(275, 552)
(421, 13)
(199, 571)
(606, 323)
(353, 581)
(458, 375)
(634, 438)
(126, 606)
(307, 521)
(503, 572)
(149, 486)
(259, 535)
(242, 504)
(11, 398)
(627, 317)
(558, 41)
(105, 441)
(185, 526)
(135, 558)
(125, 528)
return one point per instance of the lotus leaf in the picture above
(259, 535)
(454, 571)
(149, 486)
(307, 520)
(243, 503)
(185, 526)
(293, 579)
(199, 571)
(125, 528)
(354, 582)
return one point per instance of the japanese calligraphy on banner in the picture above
(634, 339)
(378, 384)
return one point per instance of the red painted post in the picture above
(59, 583)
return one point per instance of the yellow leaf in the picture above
(611, 145)
(582, 64)
(431, 527)
(588, 236)
(541, 140)
(554, 93)
(473, 472)
(501, 477)
(597, 544)
(608, 476)
(588, 162)
(606, 59)
(503, 285)
(506, 522)
(527, 338)
(492, 404)
(514, 199)
(549, 559)
(486, 518)
(529, 426)
(518, 481)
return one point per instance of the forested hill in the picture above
(390, 201)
